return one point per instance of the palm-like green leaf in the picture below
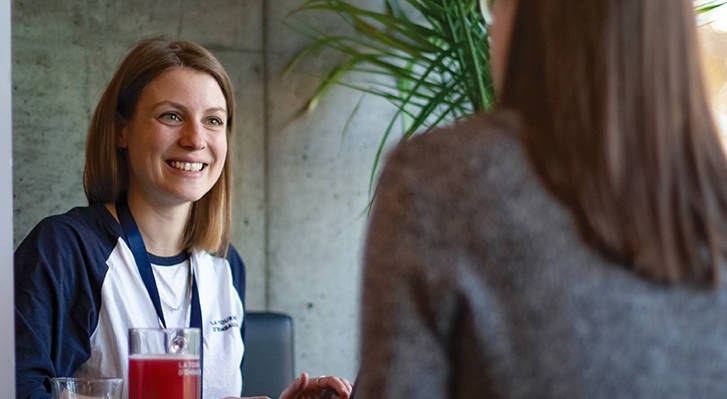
(431, 61)
(430, 58)
(703, 7)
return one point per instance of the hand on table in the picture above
(317, 388)
(313, 388)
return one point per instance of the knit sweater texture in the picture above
(477, 284)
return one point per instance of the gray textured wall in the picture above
(300, 187)
(317, 195)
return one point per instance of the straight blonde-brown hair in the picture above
(620, 129)
(105, 177)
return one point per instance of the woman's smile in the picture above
(187, 166)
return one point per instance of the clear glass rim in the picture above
(165, 341)
(87, 380)
(145, 329)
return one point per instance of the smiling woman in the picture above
(170, 102)
(176, 145)
(106, 182)
(152, 248)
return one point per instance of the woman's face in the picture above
(503, 13)
(177, 139)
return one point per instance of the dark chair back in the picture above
(268, 366)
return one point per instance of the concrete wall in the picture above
(7, 365)
(317, 196)
(301, 188)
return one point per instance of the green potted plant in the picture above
(429, 58)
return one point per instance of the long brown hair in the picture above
(105, 177)
(620, 129)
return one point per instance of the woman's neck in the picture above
(161, 227)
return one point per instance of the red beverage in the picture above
(164, 377)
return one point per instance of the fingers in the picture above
(340, 386)
(294, 389)
(349, 385)
(304, 379)
(318, 388)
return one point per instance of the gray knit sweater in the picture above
(478, 285)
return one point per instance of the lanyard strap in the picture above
(136, 244)
(138, 249)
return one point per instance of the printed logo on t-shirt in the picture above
(224, 324)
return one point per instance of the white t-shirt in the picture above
(81, 291)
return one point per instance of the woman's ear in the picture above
(121, 136)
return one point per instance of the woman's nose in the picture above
(192, 137)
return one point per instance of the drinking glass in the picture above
(86, 388)
(164, 363)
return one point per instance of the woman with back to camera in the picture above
(157, 173)
(569, 244)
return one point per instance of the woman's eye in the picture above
(171, 117)
(215, 121)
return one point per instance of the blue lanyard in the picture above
(138, 249)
